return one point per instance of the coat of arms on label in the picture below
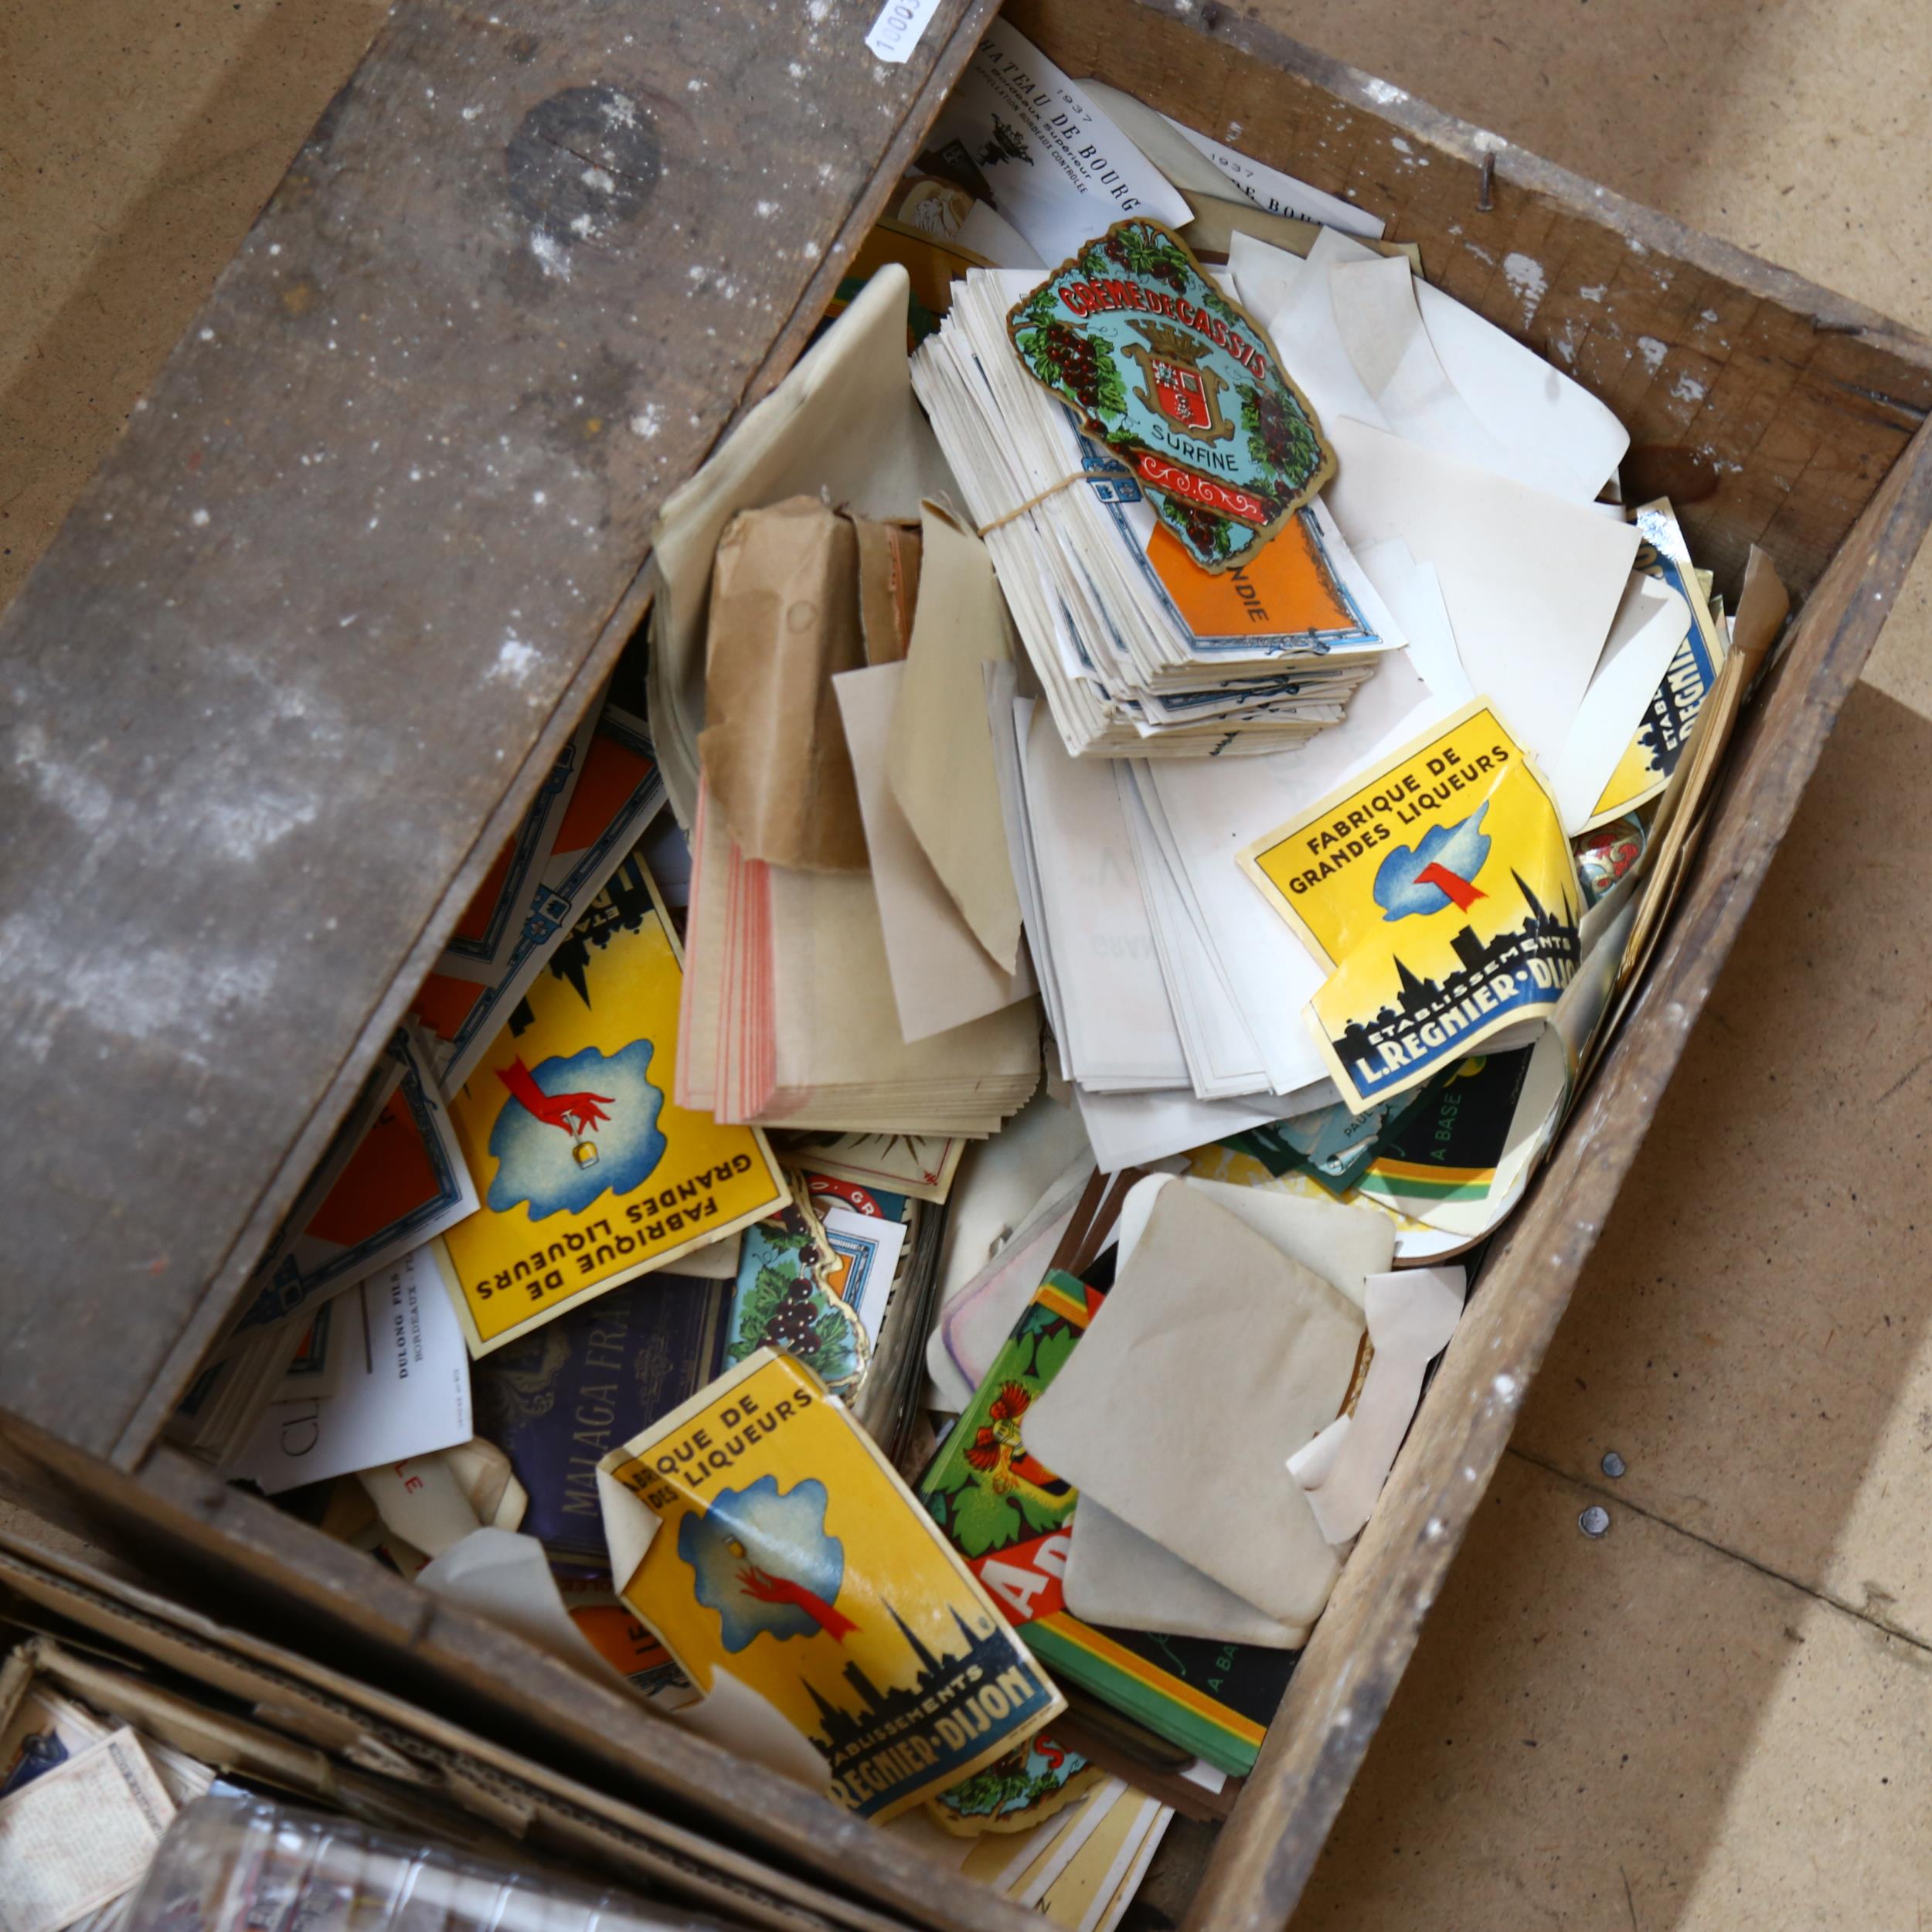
(1177, 380)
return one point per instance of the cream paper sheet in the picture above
(1214, 1359)
(942, 976)
(1116, 1576)
(939, 756)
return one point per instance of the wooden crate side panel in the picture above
(1363, 1644)
(251, 1564)
(315, 630)
(1767, 407)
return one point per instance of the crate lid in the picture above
(316, 626)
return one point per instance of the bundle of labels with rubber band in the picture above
(1162, 618)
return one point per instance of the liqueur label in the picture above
(777, 1544)
(1441, 891)
(1180, 383)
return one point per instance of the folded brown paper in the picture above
(784, 617)
(888, 567)
(939, 760)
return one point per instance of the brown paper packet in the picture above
(784, 618)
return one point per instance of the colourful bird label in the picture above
(779, 1545)
(1441, 892)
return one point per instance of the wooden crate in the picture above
(253, 1708)
(278, 697)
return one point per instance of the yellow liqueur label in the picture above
(765, 1535)
(1441, 891)
(590, 1173)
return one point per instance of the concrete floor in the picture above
(1718, 1715)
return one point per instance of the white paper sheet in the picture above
(1570, 442)
(1001, 1183)
(1532, 583)
(1414, 592)
(1116, 1576)
(1280, 194)
(1135, 1130)
(1650, 624)
(1264, 275)
(1091, 1898)
(1121, 1030)
(1347, 1243)
(1211, 808)
(1223, 1061)
(718, 1262)
(1412, 1314)
(895, 35)
(1170, 148)
(1212, 1348)
(405, 1389)
(506, 1576)
(1375, 312)
(426, 1502)
(1010, 754)
(977, 1322)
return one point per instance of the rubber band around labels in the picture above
(1031, 503)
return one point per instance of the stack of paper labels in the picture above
(1140, 650)
(1077, 1865)
(792, 1022)
(1464, 485)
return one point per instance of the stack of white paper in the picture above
(1482, 461)
(1121, 1023)
(1465, 474)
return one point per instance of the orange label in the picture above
(620, 1639)
(1285, 587)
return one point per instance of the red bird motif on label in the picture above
(572, 1113)
(769, 1589)
(1445, 882)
